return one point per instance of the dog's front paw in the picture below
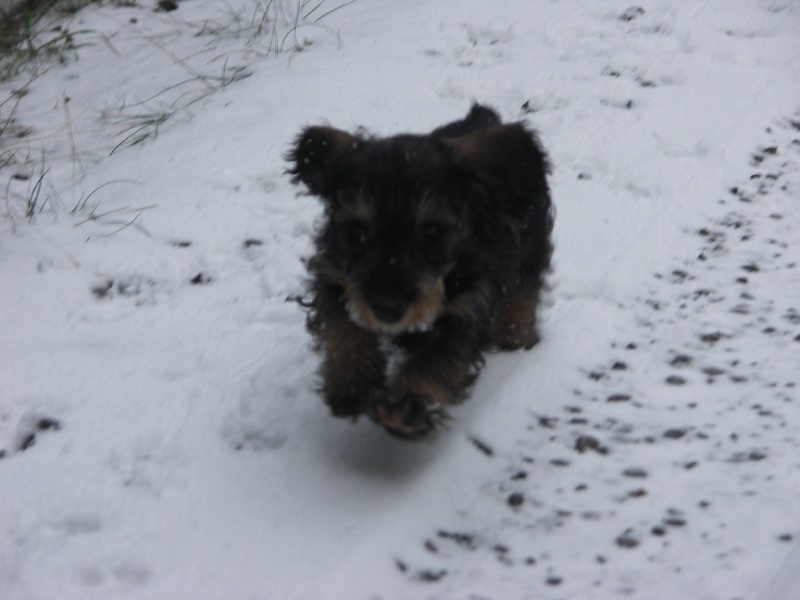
(344, 405)
(405, 415)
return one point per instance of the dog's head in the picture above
(399, 213)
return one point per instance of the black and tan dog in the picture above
(432, 251)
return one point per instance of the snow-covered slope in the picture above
(159, 430)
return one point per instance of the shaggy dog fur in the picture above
(433, 250)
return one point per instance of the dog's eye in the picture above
(357, 232)
(433, 231)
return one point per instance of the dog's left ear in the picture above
(504, 154)
(313, 155)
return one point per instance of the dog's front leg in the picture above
(438, 366)
(352, 365)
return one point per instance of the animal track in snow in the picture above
(142, 289)
(694, 364)
(476, 46)
(28, 430)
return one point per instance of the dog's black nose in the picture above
(389, 310)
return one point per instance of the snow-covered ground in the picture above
(159, 430)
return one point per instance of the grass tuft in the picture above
(38, 35)
(33, 199)
(142, 126)
(33, 34)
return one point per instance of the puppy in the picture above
(432, 251)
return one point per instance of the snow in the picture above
(160, 432)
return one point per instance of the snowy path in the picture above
(159, 432)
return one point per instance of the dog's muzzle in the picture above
(388, 310)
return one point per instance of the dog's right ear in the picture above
(313, 156)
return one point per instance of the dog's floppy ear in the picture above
(502, 151)
(313, 155)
